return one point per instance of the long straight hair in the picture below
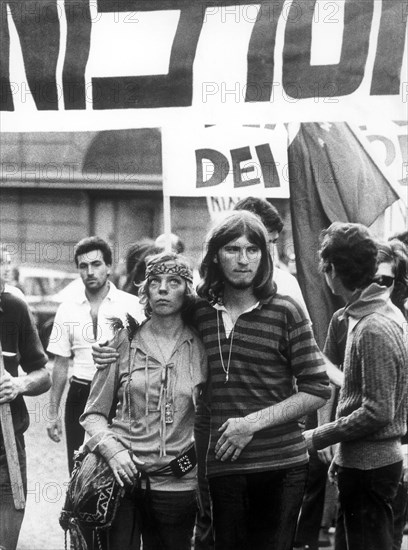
(237, 224)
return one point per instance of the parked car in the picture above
(44, 290)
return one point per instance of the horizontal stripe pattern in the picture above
(273, 355)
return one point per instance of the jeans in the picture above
(203, 536)
(163, 520)
(311, 513)
(10, 518)
(75, 404)
(366, 498)
(399, 507)
(257, 511)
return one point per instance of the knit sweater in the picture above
(273, 355)
(372, 410)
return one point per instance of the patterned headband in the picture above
(170, 267)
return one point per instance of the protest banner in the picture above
(93, 65)
(226, 161)
(142, 63)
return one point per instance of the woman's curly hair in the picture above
(189, 295)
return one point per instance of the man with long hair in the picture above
(270, 217)
(266, 372)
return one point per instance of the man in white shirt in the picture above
(82, 321)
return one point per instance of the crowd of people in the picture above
(225, 373)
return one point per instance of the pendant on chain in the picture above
(227, 368)
(168, 413)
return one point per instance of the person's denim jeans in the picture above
(399, 507)
(163, 520)
(366, 498)
(257, 511)
(10, 518)
(311, 513)
(77, 397)
(203, 535)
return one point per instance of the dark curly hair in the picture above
(352, 250)
(189, 294)
(89, 244)
(237, 224)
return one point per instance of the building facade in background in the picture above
(57, 188)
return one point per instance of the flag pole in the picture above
(167, 222)
(167, 132)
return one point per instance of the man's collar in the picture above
(264, 301)
(219, 304)
(112, 290)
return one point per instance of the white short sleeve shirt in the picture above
(73, 333)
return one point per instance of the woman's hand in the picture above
(236, 435)
(124, 467)
(104, 356)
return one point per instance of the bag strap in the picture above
(129, 396)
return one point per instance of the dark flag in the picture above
(332, 178)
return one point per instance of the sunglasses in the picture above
(384, 280)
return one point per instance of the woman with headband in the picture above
(157, 379)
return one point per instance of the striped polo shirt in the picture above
(273, 355)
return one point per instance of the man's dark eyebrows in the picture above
(85, 264)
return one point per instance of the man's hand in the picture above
(104, 356)
(236, 434)
(10, 388)
(308, 437)
(124, 467)
(54, 430)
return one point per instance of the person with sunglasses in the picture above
(372, 409)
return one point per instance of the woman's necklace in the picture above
(166, 398)
(225, 369)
